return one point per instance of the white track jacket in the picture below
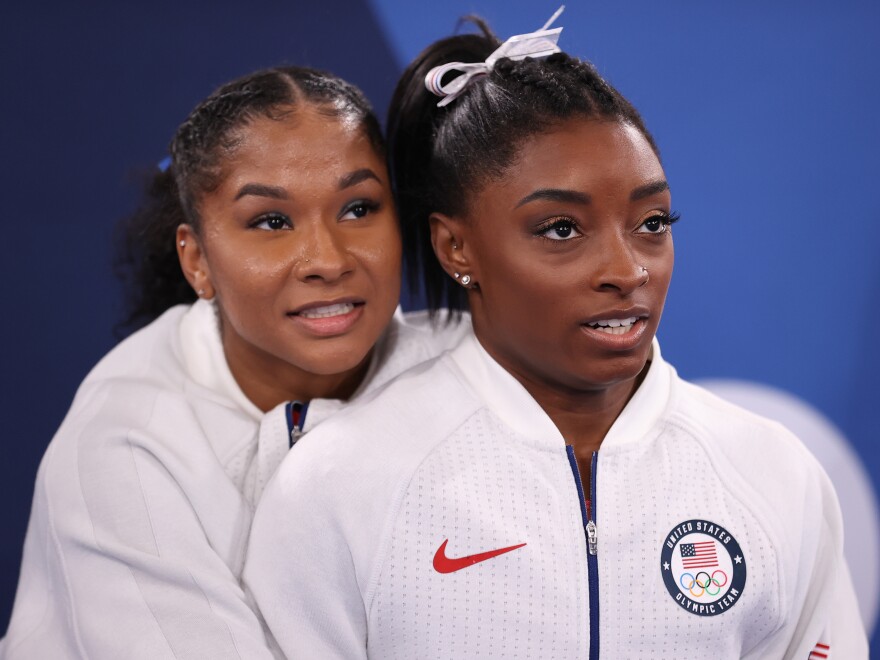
(144, 498)
(444, 518)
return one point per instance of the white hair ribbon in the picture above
(540, 43)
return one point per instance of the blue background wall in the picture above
(764, 112)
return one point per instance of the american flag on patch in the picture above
(820, 652)
(699, 555)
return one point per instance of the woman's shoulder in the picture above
(150, 355)
(139, 406)
(354, 468)
(436, 332)
(726, 420)
(142, 392)
(392, 428)
(413, 338)
(762, 450)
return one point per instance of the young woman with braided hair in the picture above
(549, 488)
(270, 252)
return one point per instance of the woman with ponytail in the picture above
(550, 488)
(266, 264)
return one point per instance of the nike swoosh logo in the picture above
(444, 564)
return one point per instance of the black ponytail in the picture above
(413, 119)
(147, 260)
(440, 157)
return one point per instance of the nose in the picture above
(324, 255)
(620, 268)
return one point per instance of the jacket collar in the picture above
(511, 402)
(204, 357)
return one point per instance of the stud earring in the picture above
(182, 243)
(465, 280)
(201, 292)
(457, 275)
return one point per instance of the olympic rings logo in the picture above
(704, 582)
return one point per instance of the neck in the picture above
(268, 382)
(583, 416)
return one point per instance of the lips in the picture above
(327, 311)
(326, 307)
(327, 318)
(617, 329)
(614, 326)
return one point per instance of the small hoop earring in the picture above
(465, 280)
(646, 274)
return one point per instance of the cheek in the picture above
(521, 270)
(380, 255)
(662, 264)
(240, 274)
(526, 295)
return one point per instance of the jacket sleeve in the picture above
(823, 619)
(830, 604)
(300, 569)
(829, 624)
(846, 636)
(129, 553)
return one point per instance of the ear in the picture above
(193, 262)
(450, 243)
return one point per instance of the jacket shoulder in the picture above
(733, 428)
(393, 426)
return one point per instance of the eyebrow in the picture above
(276, 192)
(648, 189)
(562, 195)
(260, 190)
(354, 178)
(555, 195)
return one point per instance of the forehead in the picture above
(587, 155)
(300, 145)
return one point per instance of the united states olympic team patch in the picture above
(703, 567)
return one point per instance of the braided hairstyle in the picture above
(440, 158)
(147, 261)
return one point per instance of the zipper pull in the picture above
(592, 537)
(296, 420)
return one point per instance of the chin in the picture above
(616, 371)
(338, 360)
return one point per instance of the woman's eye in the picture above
(359, 209)
(272, 222)
(657, 224)
(560, 230)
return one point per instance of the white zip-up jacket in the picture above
(144, 498)
(443, 518)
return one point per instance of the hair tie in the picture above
(540, 43)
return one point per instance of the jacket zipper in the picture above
(296, 419)
(589, 522)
